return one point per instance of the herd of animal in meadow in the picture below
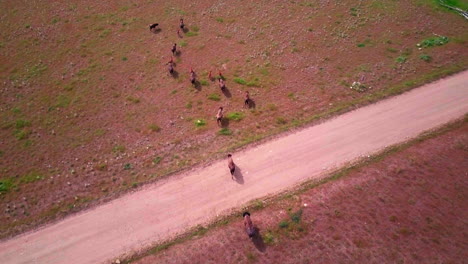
(248, 225)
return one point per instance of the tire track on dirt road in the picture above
(170, 206)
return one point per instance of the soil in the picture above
(88, 111)
(158, 212)
(410, 207)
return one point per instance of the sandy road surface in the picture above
(170, 206)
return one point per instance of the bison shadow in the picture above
(226, 92)
(224, 122)
(257, 240)
(237, 176)
(251, 104)
(175, 74)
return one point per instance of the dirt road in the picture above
(170, 206)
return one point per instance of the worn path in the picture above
(171, 206)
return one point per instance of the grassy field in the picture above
(89, 112)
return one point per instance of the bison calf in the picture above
(231, 165)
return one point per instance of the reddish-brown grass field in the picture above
(89, 112)
(409, 207)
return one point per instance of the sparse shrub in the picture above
(102, 166)
(401, 59)
(284, 224)
(20, 123)
(21, 134)
(291, 95)
(134, 184)
(133, 99)
(296, 217)
(425, 57)
(157, 160)
(434, 41)
(127, 166)
(392, 50)
(124, 58)
(359, 87)
(281, 121)
(272, 107)
(195, 28)
(154, 128)
(269, 238)
(6, 185)
(225, 132)
(32, 176)
(204, 82)
(361, 45)
(214, 97)
(191, 34)
(189, 105)
(235, 116)
(118, 149)
(200, 123)
(240, 81)
(220, 19)
(183, 43)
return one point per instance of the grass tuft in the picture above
(214, 97)
(235, 116)
(224, 132)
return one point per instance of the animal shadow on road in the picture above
(258, 241)
(156, 31)
(238, 177)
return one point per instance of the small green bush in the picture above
(240, 81)
(191, 34)
(425, 57)
(200, 122)
(214, 97)
(283, 224)
(281, 121)
(235, 116)
(224, 132)
(127, 166)
(157, 160)
(20, 123)
(183, 43)
(118, 149)
(220, 19)
(401, 59)
(361, 45)
(6, 185)
(204, 82)
(154, 128)
(434, 41)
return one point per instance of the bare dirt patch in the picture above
(408, 207)
(88, 111)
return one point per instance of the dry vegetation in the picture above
(405, 206)
(89, 112)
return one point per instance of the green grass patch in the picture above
(401, 59)
(21, 134)
(20, 123)
(425, 57)
(214, 97)
(434, 41)
(219, 20)
(191, 34)
(224, 132)
(283, 224)
(124, 58)
(118, 149)
(183, 43)
(199, 122)
(31, 177)
(127, 166)
(204, 82)
(6, 184)
(235, 116)
(240, 81)
(157, 160)
(154, 128)
(281, 121)
(132, 99)
(361, 45)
